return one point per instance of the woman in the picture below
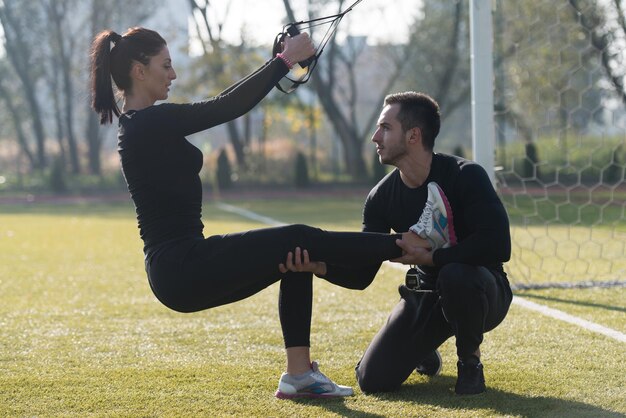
(186, 271)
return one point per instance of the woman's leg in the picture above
(295, 305)
(200, 274)
(227, 268)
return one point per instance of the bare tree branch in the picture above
(217, 66)
(62, 50)
(18, 53)
(16, 118)
(339, 101)
(593, 22)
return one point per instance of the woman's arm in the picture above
(235, 101)
(239, 98)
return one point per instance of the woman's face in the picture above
(159, 74)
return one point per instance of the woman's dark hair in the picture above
(418, 110)
(137, 44)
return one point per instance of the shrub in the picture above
(301, 171)
(530, 169)
(56, 178)
(614, 172)
(224, 171)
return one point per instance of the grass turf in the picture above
(82, 335)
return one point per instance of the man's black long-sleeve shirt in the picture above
(480, 220)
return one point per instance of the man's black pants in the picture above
(470, 301)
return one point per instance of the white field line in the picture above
(555, 313)
(249, 214)
(544, 310)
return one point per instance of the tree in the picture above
(98, 20)
(543, 56)
(21, 23)
(440, 65)
(225, 64)
(62, 56)
(339, 96)
(7, 95)
(60, 32)
(606, 34)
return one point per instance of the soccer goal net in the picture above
(560, 127)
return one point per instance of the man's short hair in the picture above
(418, 110)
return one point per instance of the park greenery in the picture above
(557, 75)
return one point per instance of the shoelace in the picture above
(427, 213)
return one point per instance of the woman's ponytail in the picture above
(102, 95)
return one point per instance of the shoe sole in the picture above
(281, 395)
(470, 393)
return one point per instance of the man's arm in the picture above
(489, 240)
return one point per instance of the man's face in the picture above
(390, 139)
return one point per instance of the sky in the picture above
(380, 20)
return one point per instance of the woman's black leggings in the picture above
(194, 274)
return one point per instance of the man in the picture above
(466, 239)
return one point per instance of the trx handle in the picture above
(293, 30)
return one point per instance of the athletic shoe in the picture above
(430, 365)
(470, 379)
(313, 384)
(435, 223)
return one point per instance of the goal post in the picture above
(481, 61)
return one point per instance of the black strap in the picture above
(293, 29)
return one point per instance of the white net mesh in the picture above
(560, 140)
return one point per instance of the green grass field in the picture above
(82, 335)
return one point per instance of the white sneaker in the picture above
(313, 384)
(436, 224)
